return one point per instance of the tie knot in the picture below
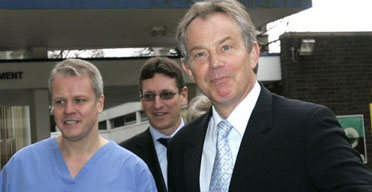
(164, 141)
(224, 128)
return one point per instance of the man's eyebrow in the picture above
(218, 42)
(54, 98)
(197, 48)
(224, 39)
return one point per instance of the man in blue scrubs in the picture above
(79, 159)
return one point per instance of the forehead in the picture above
(67, 84)
(159, 82)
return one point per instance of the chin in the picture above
(161, 126)
(71, 138)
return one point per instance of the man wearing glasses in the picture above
(163, 93)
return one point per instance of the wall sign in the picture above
(11, 75)
(353, 126)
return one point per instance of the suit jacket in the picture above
(143, 146)
(288, 146)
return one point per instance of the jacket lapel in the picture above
(193, 152)
(253, 143)
(146, 145)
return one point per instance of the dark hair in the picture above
(162, 65)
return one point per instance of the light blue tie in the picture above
(224, 163)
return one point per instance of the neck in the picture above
(81, 147)
(171, 130)
(77, 153)
(224, 109)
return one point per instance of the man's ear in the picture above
(254, 55)
(187, 70)
(100, 103)
(184, 95)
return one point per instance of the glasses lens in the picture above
(148, 96)
(167, 95)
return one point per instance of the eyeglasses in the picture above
(165, 95)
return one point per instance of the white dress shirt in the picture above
(161, 150)
(239, 120)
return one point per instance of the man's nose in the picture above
(69, 107)
(214, 60)
(158, 102)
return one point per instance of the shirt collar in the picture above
(156, 134)
(240, 115)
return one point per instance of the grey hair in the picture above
(203, 9)
(197, 107)
(79, 68)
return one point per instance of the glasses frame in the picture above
(164, 95)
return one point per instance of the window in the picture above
(124, 120)
(143, 116)
(130, 119)
(14, 130)
(102, 125)
(117, 122)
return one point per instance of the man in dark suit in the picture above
(163, 94)
(252, 140)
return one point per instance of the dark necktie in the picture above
(164, 141)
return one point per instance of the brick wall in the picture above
(338, 74)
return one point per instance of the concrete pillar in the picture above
(138, 117)
(40, 114)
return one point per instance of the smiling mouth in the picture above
(159, 114)
(70, 122)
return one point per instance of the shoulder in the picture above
(124, 167)
(301, 116)
(297, 107)
(126, 162)
(283, 105)
(292, 115)
(195, 124)
(29, 159)
(121, 156)
(192, 131)
(189, 127)
(35, 150)
(131, 142)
